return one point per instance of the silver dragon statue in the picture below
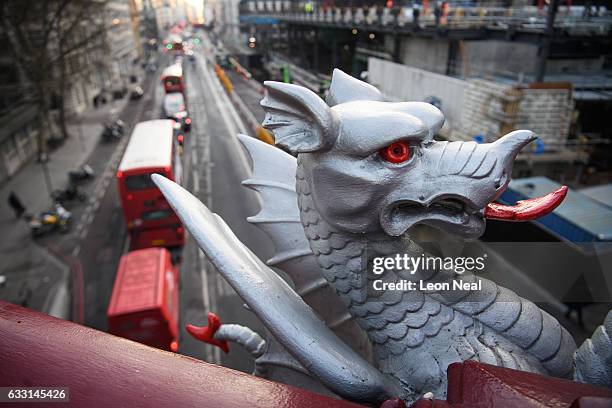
(360, 174)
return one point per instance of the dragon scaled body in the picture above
(343, 202)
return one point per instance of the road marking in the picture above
(194, 158)
(217, 96)
(212, 354)
(204, 276)
(196, 181)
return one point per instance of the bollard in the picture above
(227, 84)
(264, 135)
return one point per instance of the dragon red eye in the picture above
(397, 152)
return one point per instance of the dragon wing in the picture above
(284, 313)
(274, 179)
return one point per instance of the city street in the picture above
(437, 178)
(82, 263)
(214, 166)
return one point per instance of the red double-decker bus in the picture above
(144, 302)
(149, 218)
(172, 78)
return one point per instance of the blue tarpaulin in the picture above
(579, 218)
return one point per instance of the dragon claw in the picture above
(206, 334)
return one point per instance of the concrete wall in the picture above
(427, 54)
(560, 66)
(478, 106)
(18, 143)
(488, 57)
(403, 83)
(482, 99)
(547, 112)
(485, 58)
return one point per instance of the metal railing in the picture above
(101, 370)
(527, 18)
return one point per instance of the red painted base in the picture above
(475, 385)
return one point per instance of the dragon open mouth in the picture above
(526, 210)
(449, 209)
(464, 215)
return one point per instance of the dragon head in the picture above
(374, 166)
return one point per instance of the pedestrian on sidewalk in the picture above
(16, 205)
(437, 14)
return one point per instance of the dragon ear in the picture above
(300, 120)
(345, 88)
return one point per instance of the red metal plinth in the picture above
(102, 370)
(476, 385)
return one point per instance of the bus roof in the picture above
(150, 146)
(174, 70)
(140, 280)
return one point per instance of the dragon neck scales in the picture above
(367, 171)
(416, 334)
(370, 170)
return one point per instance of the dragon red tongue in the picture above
(526, 210)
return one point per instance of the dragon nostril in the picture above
(501, 181)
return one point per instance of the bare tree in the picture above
(43, 36)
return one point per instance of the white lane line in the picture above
(229, 125)
(196, 181)
(211, 355)
(194, 158)
(204, 276)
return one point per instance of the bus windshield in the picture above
(172, 80)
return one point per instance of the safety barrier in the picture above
(101, 370)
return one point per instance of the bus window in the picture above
(156, 215)
(139, 182)
(172, 81)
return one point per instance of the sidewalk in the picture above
(32, 274)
